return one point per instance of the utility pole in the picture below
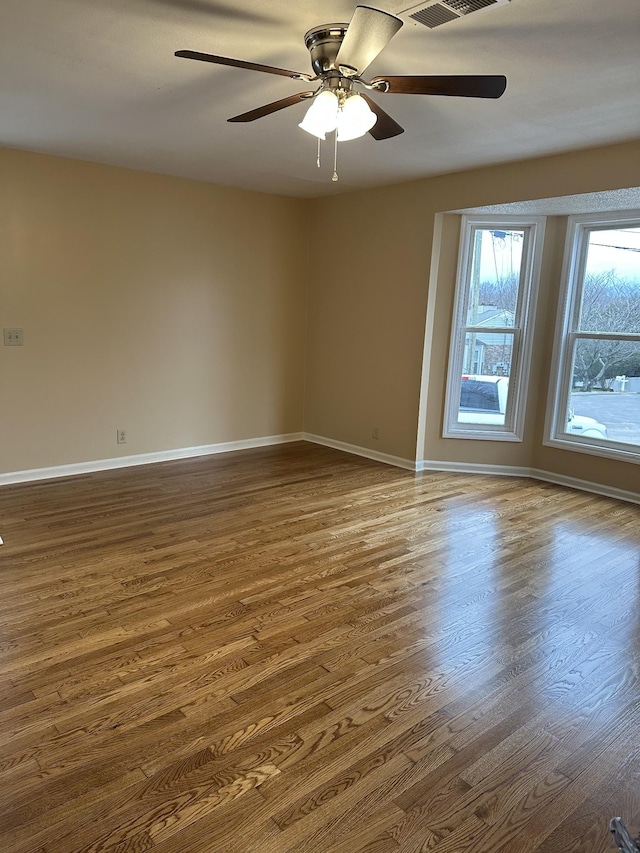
(474, 297)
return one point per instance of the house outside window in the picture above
(594, 399)
(497, 281)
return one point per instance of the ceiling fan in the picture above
(340, 53)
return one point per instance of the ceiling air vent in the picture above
(435, 13)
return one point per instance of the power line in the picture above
(611, 246)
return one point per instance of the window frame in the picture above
(522, 329)
(579, 228)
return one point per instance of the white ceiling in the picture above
(97, 80)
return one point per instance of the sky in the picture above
(500, 256)
(617, 249)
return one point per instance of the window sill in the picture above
(481, 434)
(604, 450)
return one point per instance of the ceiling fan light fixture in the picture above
(355, 118)
(322, 116)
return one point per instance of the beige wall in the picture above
(170, 308)
(367, 304)
(179, 310)
(367, 321)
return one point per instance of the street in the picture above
(618, 411)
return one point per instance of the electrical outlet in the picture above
(12, 337)
(375, 433)
(121, 436)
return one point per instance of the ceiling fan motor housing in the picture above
(323, 43)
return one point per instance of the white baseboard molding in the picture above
(586, 486)
(268, 440)
(532, 473)
(144, 458)
(356, 450)
(472, 468)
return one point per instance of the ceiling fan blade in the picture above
(385, 127)
(368, 32)
(239, 63)
(465, 86)
(267, 109)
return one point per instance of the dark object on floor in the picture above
(622, 838)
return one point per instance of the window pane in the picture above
(485, 386)
(605, 397)
(478, 395)
(495, 276)
(611, 291)
(487, 353)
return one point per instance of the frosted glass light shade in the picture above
(355, 118)
(322, 116)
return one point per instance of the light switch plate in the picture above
(12, 337)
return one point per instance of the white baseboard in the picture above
(532, 473)
(356, 450)
(586, 486)
(144, 458)
(473, 468)
(265, 441)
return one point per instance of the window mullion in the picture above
(606, 336)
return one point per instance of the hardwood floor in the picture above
(292, 649)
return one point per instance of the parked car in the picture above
(483, 400)
(582, 425)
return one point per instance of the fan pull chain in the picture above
(334, 177)
(318, 157)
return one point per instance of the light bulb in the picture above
(355, 118)
(322, 115)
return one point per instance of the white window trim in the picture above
(574, 261)
(513, 427)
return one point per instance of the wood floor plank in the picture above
(291, 649)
